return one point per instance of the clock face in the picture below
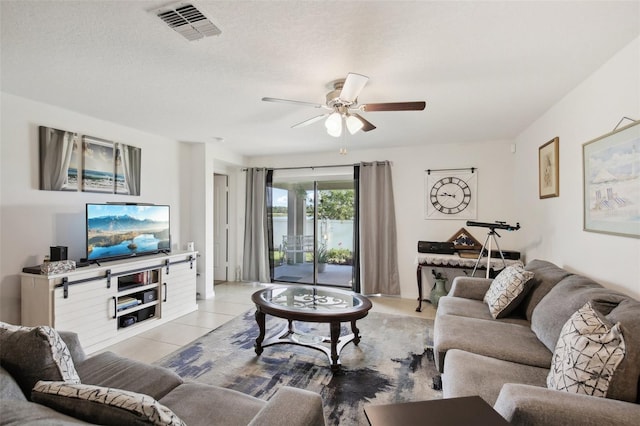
(450, 195)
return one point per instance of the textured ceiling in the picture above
(486, 69)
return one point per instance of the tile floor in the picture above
(231, 299)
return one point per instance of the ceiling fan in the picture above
(342, 106)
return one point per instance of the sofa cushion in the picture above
(467, 374)
(494, 338)
(198, 404)
(545, 276)
(20, 413)
(106, 406)
(563, 300)
(110, 370)
(9, 388)
(30, 354)
(587, 354)
(507, 290)
(472, 308)
(626, 382)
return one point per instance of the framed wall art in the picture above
(451, 193)
(73, 162)
(549, 169)
(611, 181)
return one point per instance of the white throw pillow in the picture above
(103, 405)
(586, 355)
(507, 290)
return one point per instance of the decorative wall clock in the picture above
(451, 194)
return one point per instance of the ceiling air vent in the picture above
(188, 21)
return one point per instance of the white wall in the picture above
(591, 110)
(494, 161)
(33, 220)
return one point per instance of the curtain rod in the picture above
(319, 167)
(472, 169)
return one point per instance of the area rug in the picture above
(392, 363)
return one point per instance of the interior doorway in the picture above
(220, 228)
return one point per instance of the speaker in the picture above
(436, 247)
(57, 253)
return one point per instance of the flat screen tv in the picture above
(117, 231)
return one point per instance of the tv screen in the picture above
(119, 230)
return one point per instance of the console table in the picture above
(453, 261)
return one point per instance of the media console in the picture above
(113, 301)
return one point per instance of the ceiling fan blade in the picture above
(395, 106)
(288, 101)
(353, 85)
(309, 121)
(367, 125)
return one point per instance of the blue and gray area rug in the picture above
(392, 363)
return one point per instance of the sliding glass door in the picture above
(313, 226)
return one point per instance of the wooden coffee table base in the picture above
(289, 335)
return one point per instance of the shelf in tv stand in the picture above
(137, 308)
(137, 289)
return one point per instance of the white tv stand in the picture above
(112, 301)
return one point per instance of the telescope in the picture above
(496, 225)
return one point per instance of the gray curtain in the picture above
(255, 262)
(378, 245)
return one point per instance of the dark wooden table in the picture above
(310, 304)
(470, 410)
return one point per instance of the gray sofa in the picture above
(506, 361)
(193, 403)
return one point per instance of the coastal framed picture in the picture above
(549, 169)
(611, 182)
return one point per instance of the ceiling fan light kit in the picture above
(342, 104)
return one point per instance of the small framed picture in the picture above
(549, 168)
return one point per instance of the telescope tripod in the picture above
(490, 236)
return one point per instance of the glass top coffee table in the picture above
(310, 304)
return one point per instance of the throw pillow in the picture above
(101, 405)
(507, 290)
(30, 354)
(587, 354)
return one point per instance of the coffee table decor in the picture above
(310, 304)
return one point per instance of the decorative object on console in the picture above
(439, 289)
(463, 240)
(59, 267)
(549, 169)
(104, 166)
(611, 180)
(451, 193)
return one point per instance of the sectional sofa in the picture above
(47, 379)
(521, 361)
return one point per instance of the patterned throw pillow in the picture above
(586, 355)
(507, 290)
(30, 354)
(101, 405)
